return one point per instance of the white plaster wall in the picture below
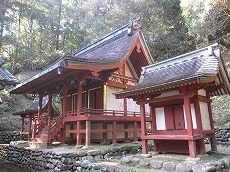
(160, 118)
(202, 92)
(193, 116)
(132, 106)
(171, 93)
(205, 116)
(112, 102)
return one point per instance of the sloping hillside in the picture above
(14, 103)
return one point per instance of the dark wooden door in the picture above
(96, 98)
(179, 117)
(174, 117)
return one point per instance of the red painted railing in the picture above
(90, 111)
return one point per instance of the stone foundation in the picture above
(7, 136)
(37, 160)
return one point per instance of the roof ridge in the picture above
(135, 24)
(102, 40)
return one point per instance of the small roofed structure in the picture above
(6, 78)
(178, 91)
(31, 112)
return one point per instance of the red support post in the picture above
(79, 98)
(78, 137)
(135, 131)
(22, 127)
(30, 125)
(105, 133)
(191, 143)
(49, 117)
(198, 114)
(114, 132)
(34, 128)
(64, 110)
(143, 128)
(87, 133)
(39, 107)
(125, 106)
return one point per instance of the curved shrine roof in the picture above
(200, 66)
(6, 78)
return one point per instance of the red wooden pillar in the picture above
(125, 114)
(87, 133)
(191, 143)
(153, 125)
(143, 128)
(78, 137)
(198, 115)
(64, 110)
(30, 129)
(79, 104)
(135, 131)
(105, 133)
(213, 137)
(79, 98)
(49, 117)
(39, 107)
(199, 124)
(22, 127)
(114, 132)
(34, 128)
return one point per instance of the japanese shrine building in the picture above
(84, 81)
(178, 92)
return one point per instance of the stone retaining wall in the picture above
(37, 160)
(7, 136)
(222, 136)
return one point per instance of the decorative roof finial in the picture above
(133, 25)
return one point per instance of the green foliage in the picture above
(37, 33)
(221, 111)
(4, 106)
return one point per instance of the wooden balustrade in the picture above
(90, 111)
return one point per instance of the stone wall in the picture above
(37, 160)
(7, 136)
(223, 136)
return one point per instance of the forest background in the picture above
(35, 33)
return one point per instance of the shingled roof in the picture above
(200, 66)
(33, 108)
(108, 53)
(6, 78)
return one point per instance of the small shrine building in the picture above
(179, 92)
